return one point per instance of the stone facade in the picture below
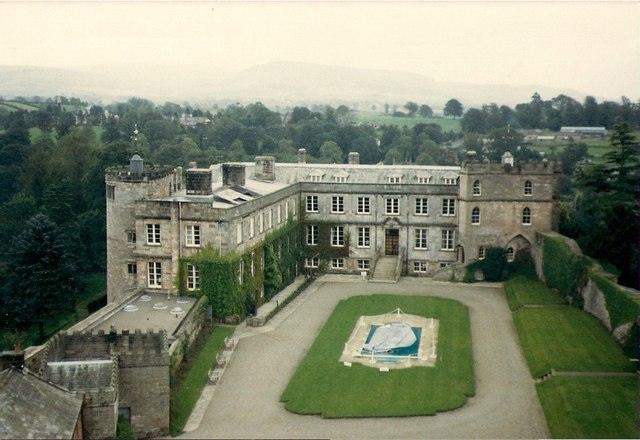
(113, 373)
(421, 213)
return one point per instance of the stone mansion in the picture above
(423, 218)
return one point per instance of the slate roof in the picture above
(32, 408)
(80, 375)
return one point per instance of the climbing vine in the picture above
(266, 269)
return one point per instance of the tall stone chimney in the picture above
(136, 166)
(354, 158)
(302, 155)
(233, 175)
(265, 168)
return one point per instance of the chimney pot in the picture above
(302, 155)
(354, 158)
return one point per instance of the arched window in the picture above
(511, 254)
(528, 188)
(526, 216)
(477, 188)
(475, 216)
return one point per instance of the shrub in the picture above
(124, 430)
(494, 266)
(564, 269)
(620, 306)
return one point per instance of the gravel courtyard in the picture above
(246, 402)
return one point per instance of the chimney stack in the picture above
(233, 175)
(136, 166)
(302, 153)
(354, 158)
(193, 164)
(265, 168)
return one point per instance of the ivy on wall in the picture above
(621, 307)
(266, 269)
(564, 269)
(324, 250)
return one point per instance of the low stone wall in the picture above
(266, 311)
(594, 300)
(186, 333)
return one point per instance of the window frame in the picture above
(475, 216)
(448, 207)
(154, 275)
(527, 216)
(481, 252)
(476, 188)
(337, 204)
(312, 263)
(131, 236)
(132, 268)
(312, 231)
(311, 204)
(420, 266)
(337, 263)
(447, 243)
(154, 234)
(193, 277)
(394, 204)
(364, 237)
(337, 236)
(421, 206)
(191, 238)
(528, 188)
(364, 264)
(363, 202)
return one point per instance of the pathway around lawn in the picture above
(246, 401)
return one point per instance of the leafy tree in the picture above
(607, 208)
(425, 111)
(411, 107)
(474, 121)
(573, 154)
(65, 123)
(453, 107)
(330, 152)
(41, 282)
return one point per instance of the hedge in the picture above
(563, 269)
(274, 263)
(621, 307)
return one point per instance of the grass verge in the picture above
(565, 338)
(522, 291)
(322, 385)
(186, 392)
(589, 407)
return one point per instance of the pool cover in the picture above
(389, 337)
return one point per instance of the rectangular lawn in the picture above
(522, 291)
(566, 339)
(590, 407)
(323, 385)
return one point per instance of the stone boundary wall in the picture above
(594, 300)
(186, 333)
(266, 311)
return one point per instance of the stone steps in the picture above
(385, 270)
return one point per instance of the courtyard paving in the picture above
(246, 401)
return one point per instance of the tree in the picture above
(474, 121)
(607, 208)
(65, 122)
(411, 107)
(41, 282)
(330, 152)
(453, 107)
(573, 154)
(425, 111)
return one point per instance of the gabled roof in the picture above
(33, 408)
(341, 173)
(317, 172)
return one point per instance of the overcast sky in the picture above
(590, 47)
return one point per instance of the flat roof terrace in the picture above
(148, 311)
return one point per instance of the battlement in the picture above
(150, 172)
(544, 167)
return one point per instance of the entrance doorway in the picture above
(391, 241)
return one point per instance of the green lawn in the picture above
(94, 288)
(566, 339)
(447, 124)
(322, 385)
(590, 407)
(185, 394)
(522, 291)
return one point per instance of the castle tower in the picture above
(124, 187)
(504, 204)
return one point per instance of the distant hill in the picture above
(277, 83)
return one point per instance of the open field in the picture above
(322, 385)
(13, 106)
(447, 124)
(565, 338)
(522, 291)
(185, 394)
(590, 407)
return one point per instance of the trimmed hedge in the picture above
(621, 307)
(563, 269)
(267, 268)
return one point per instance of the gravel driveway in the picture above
(246, 402)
